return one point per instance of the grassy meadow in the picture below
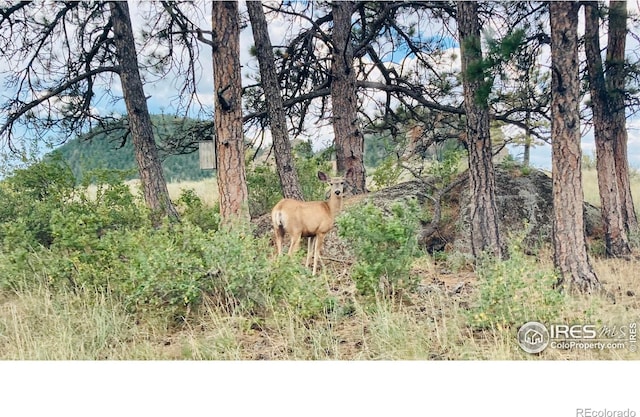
(453, 312)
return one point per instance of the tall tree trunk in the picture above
(570, 250)
(232, 182)
(154, 186)
(526, 157)
(277, 121)
(616, 86)
(616, 241)
(485, 234)
(349, 141)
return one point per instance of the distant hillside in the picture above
(104, 151)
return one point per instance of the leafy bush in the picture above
(384, 245)
(387, 173)
(244, 276)
(82, 221)
(264, 189)
(514, 291)
(106, 243)
(167, 271)
(193, 210)
(308, 163)
(445, 169)
(27, 199)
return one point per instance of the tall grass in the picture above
(40, 324)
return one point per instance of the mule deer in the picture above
(312, 219)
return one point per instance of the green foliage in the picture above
(380, 147)
(264, 184)
(483, 70)
(384, 245)
(107, 244)
(502, 50)
(194, 211)
(597, 248)
(509, 162)
(514, 291)
(290, 284)
(526, 170)
(308, 163)
(446, 168)
(387, 173)
(264, 189)
(27, 199)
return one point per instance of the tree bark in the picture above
(282, 147)
(232, 182)
(485, 234)
(349, 140)
(570, 250)
(615, 60)
(154, 186)
(616, 241)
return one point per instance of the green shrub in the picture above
(308, 163)
(168, 270)
(384, 245)
(107, 243)
(82, 221)
(246, 277)
(264, 189)
(445, 169)
(194, 211)
(514, 291)
(27, 199)
(290, 284)
(387, 173)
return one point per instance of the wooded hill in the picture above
(106, 149)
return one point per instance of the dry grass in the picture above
(590, 187)
(428, 325)
(207, 189)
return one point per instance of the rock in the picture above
(525, 206)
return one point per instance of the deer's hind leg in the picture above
(278, 232)
(295, 243)
(311, 247)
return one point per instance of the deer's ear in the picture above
(322, 176)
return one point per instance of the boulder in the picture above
(525, 209)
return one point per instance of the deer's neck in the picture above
(335, 204)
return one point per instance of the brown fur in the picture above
(312, 219)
